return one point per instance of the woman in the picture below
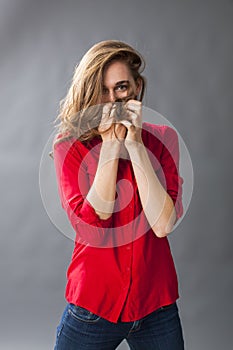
(118, 182)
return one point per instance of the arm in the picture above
(103, 190)
(92, 204)
(157, 204)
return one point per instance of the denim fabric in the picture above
(80, 329)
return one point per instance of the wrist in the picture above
(111, 148)
(134, 145)
(136, 150)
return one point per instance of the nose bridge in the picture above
(112, 95)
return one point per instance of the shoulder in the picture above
(65, 145)
(71, 146)
(161, 132)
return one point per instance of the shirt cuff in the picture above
(88, 214)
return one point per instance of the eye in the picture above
(122, 87)
(104, 91)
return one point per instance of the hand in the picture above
(133, 122)
(108, 124)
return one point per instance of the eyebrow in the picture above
(120, 83)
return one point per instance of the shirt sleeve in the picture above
(73, 186)
(170, 164)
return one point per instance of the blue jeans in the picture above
(80, 329)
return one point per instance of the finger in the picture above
(120, 131)
(134, 118)
(126, 123)
(107, 117)
(134, 105)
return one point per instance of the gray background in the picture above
(188, 47)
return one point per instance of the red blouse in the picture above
(120, 270)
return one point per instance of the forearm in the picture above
(103, 190)
(157, 204)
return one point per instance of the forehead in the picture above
(116, 71)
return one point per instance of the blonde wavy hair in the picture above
(87, 84)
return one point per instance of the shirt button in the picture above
(128, 247)
(128, 269)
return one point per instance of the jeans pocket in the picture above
(82, 314)
(59, 330)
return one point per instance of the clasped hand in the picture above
(127, 129)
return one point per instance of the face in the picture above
(118, 83)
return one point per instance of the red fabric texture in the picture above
(119, 270)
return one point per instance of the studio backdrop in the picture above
(188, 48)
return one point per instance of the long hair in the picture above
(87, 84)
